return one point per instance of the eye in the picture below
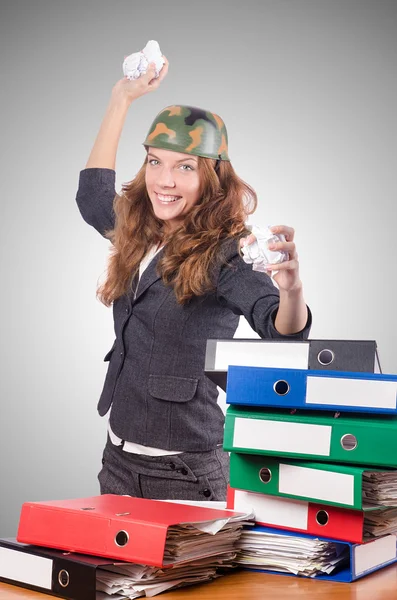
(186, 168)
(153, 162)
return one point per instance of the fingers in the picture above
(164, 70)
(287, 265)
(145, 83)
(288, 232)
(149, 75)
(247, 240)
(284, 247)
(154, 82)
(275, 247)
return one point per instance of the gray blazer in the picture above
(155, 382)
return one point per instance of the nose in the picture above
(165, 177)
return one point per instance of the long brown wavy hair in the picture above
(191, 251)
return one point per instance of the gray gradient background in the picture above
(308, 91)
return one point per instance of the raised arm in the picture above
(103, 153)
(96, 187)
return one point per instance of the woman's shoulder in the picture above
(228, 254)
(228, 248)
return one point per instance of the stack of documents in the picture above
(282, 552)
(380, 487)
(133, 581)
(380, 522)
(313, 443)
(118, 546)
(291, 554)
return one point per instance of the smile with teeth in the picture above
(167, 199)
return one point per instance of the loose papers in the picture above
(380, 522)
(258, 254)
(380, 487)
(136, 64)
(290, 554)
(198, 552)
(134, 581)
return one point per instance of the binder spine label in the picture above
(365, 393)
(26, 568)
(316, 484)
(372, 555)
(273, 510)
(261, 354)
(278, 436)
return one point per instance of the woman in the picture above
(175, 279)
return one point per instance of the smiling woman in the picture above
(176, 278)
(173, 185)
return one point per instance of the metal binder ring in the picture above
(265, 475)
(348, 441)
(325, 357)
(63, 578)
(281, 387)
(322, 517)
(121, 538)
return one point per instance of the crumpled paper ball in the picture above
(258, 254)
(137, 64)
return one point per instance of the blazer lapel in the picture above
(149, 276)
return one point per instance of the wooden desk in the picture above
(245, 585)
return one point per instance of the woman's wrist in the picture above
(293, 293)
(292, 312)
(120, 101)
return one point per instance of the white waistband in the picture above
(138, 448)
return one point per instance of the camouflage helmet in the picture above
(189, 130)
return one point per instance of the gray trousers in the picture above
(186, 476)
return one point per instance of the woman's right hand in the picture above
(129, 90)
(103, 153)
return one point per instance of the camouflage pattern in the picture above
(190, 130)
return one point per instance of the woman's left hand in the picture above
(287, 276)
(286, 273)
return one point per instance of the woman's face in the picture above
(172, 183)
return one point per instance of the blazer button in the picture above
(172, 466)
(184, 471)
(207, 493)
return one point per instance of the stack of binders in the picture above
(116, 547)
(313, 454)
